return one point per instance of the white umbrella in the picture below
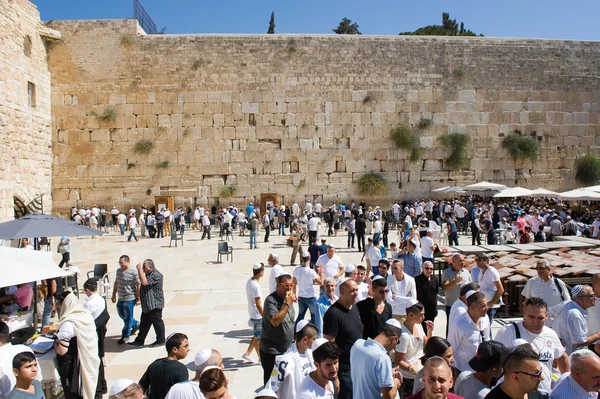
(594, 188)
(485, 185)
(513, 192)
(451, 189)
(580, 194)
(542, 192)
(18, 266)
(440, 190)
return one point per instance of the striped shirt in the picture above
(127, 281)
(151, 295)
(570, 389)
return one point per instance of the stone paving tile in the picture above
(204, 299)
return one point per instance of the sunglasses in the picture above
(537, 375)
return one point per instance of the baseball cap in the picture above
(489, 354)
(349, 268)
(202, 356)
(258, 265)
(120, 385)
(515, 343)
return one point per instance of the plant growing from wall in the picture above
(229, 190)
(162, 129)
(143, 147)
(197, 64)
(588, 170)
(521, 147)
(301, 184)
(108, 115)
(186, 132)
(459, 72)
(367, 99)
(162, 165)
(130, 165)
(457, 143)
(127, 40)
(406, 138)
(372, 184)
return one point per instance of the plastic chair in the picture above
(100, 270)
(224, 249)
(175, 237)
(444, 235)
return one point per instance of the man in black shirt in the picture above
(375, 311)
(427, 289)
(162, 374)
(360, 227)
(522, 374)
(277, 324)
(342, 325)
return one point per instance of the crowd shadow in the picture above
(242, 336)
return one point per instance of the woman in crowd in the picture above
(436, 346)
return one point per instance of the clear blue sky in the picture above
(556, 19)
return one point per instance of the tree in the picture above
(271, 30)
(346, 27)
(449, 27)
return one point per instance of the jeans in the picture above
(160, 230)
(491, 313)
(125, 311)
(154, 318)
(132, 234)
(281, 228)
(376, 237)
(253, 235)
(122, 227)
(453, 238)
(345, 385)
(350, 240)
(47, 313)
(305, 304)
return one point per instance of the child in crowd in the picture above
(25, 370)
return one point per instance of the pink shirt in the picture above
(24, 295)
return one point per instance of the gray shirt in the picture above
(468, 386)
(127, 282)
(450, 274)
(276, 340)
(18, 394)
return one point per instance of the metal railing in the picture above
(143, 18)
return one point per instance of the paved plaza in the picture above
(204, 299)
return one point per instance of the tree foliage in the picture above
(271, 30)
(372, 184)
(449, 27)
(346, 27)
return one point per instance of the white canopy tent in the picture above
(449, 189)
(18, 266)
(542, 192)
(580, 194)
(485, 185)
(513, 192)
(594, 188)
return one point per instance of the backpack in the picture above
(249, 226)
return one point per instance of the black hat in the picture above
(488, 355)
(4, 328)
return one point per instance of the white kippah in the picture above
(376, 277)
(305, 254)
(317, 343)
(394, 322)
(350, 268)
(266, 393)
(518, 342)
(301, 324)
(202, 356)
(120, 385)
(576, 290)
(210, 368)
(469, 293)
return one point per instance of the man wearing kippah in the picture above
(304, 279)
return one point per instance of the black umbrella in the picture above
(41, 225)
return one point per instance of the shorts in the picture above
(256, 327)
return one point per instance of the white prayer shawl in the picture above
(87, 343)
(402, 299)
(287, 373)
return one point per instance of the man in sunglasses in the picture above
(570, 323)
(375, 311)
(522, 374)
(551, 289)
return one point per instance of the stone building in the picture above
(25, 109)
(305, 116)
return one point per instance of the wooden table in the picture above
(499, 248)
(470, 249)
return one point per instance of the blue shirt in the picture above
(249, 210)
(412, 264)
(370, 369)
(571, 325)
(313, 250)
(323, 303)
(570, 389)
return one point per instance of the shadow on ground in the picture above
(243, 336)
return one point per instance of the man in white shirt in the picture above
(318, 208)
(206, 226)
(304, 279)
(542, 339)
(121, 219)
(276, 271)
(593, 319)
(596, 228)
(376, 229)
(552, 290)
(132, 223)
(570, 323)
(330, 264)
(427, 247)
(396, 211)
(402, 289)
(313, 227)
(255, 310)
(469, 330)
(94, 303)
(363, 287)
(490, 285)
(460, 306)
(296, 208)
(308, 207)
(293, 366)
(319, 383)
(191, 389)
(584, 380)
(373, 255)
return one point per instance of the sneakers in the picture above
(249, 359)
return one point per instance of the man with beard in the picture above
(522, 374)
(320, 383)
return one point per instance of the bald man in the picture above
(437, 380)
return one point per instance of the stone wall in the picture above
(306, 116)
(25, 128)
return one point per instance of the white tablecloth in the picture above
(16, 321)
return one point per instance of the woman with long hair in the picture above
(440, 347)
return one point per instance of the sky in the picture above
(550, 19)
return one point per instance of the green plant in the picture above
(197, 64)
(130, 165)
(127, 40)
(292, 48)
(459, 72)
(148, 192)
(162, 165)
(229, 190)
(109, 114)
(519, 146)
(372, 184)
(143, 147)
(186, 116)
(186, 132)
(162, 129)
(457, 144)
(588, 170)
(367, 99)
(301, 184)
(424, 123)
(403, 137)
(416, 154)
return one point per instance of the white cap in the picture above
(301, 324)
(305, 254)
(332, 245)
(342, 281)
(119, 386)
(412, 302)
(257, 266)
(317, 343)
(202, 356)
(210, 368)
(469, 293)
(266, 393)
(518, 342)
(376, 277)
(394, 322)
(350, 268)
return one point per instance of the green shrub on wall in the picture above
(143, 147)
(109, 114)
(229, 190)
(372, 184)
(521, 147)
(407, 138)
(457, 143)
(588, 170)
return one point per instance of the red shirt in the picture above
(449, 396)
